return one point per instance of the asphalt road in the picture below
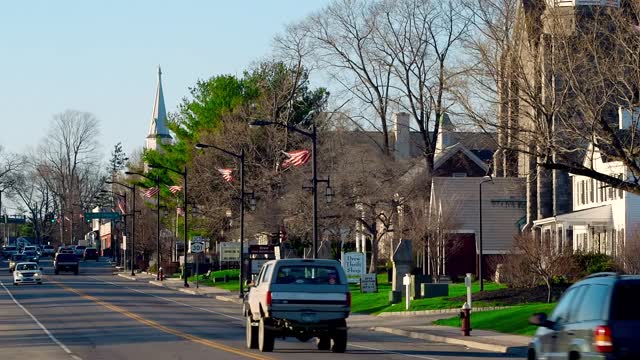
(96, 315)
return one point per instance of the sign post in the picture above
(406, 281)
(467, 283)
(197, 248)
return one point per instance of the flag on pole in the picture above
(175, 189)
(226, 174)
(122, 206)
(151, 192)
(296, 158)
(180, 211)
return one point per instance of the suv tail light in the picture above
(602, 339)
(269, 298)
(349, 299)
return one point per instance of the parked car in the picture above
(91, 254)
(66, 262)
(29, 248)
(79, 250)
(594, 319)
(47, 250)
(31, 256)
(303, 298)
(27, 272)
(15, 259)
(7, 251)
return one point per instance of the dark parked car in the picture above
(7, 251)
(596, 318)
(15, 259)
(66, 262)
(31, 256)
(91, 254)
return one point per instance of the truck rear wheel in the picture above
(266, 339)
(339, 338)
(252, 334)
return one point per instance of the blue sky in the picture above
(101, 56)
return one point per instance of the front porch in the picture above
(588, 230)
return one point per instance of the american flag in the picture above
(226, 174)
(122, 206)
(180, 211)
(296, 158)
(175, 189)
(151, 192)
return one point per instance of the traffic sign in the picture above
(102, 215)
(197, 247)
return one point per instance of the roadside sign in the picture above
(101, 215)
(229, 251)
(197, 247)
(124, 243)
(368, 283)
(353, 264)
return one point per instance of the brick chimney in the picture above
(401, 135)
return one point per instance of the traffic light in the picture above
(50, 217)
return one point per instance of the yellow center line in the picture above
(156, 325)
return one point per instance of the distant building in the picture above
(603, 219)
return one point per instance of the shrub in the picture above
(590, 263)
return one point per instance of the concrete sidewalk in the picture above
(418, 326)
(178, 285)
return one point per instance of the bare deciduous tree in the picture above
(533, 260)
(69, 163)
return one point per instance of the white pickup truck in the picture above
(302, 298)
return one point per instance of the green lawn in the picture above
(233, 284)
(512, 321)
(374, 303)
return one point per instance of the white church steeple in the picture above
(158, 130)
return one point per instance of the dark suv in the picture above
(66, 262)
(596, 318)
(91, 254)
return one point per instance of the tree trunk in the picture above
(374, 251)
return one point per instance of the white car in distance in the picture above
(27, 272)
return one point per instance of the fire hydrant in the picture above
(465, 316)
(161, 272)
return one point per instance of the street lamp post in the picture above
(314, 172)
(186, 214)
(157, 181)
(124, 197)
(485, 179)
(242, 204)
(133, 212)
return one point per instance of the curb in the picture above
(440, 311)
(128, 277)
(512, 350)
(228, 298)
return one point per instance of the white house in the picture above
(603, 218)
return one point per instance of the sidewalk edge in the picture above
(127, 276)
(514, 350)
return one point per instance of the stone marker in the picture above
(402, 260)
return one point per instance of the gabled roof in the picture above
(452, 150)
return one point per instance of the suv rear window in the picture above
(66, 257)
(307, 274)
(625, 298)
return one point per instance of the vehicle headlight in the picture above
(18, 273)
(36, 274)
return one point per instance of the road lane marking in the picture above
(166, 329)
(46, 331)
(241, 319)
(393, 352)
